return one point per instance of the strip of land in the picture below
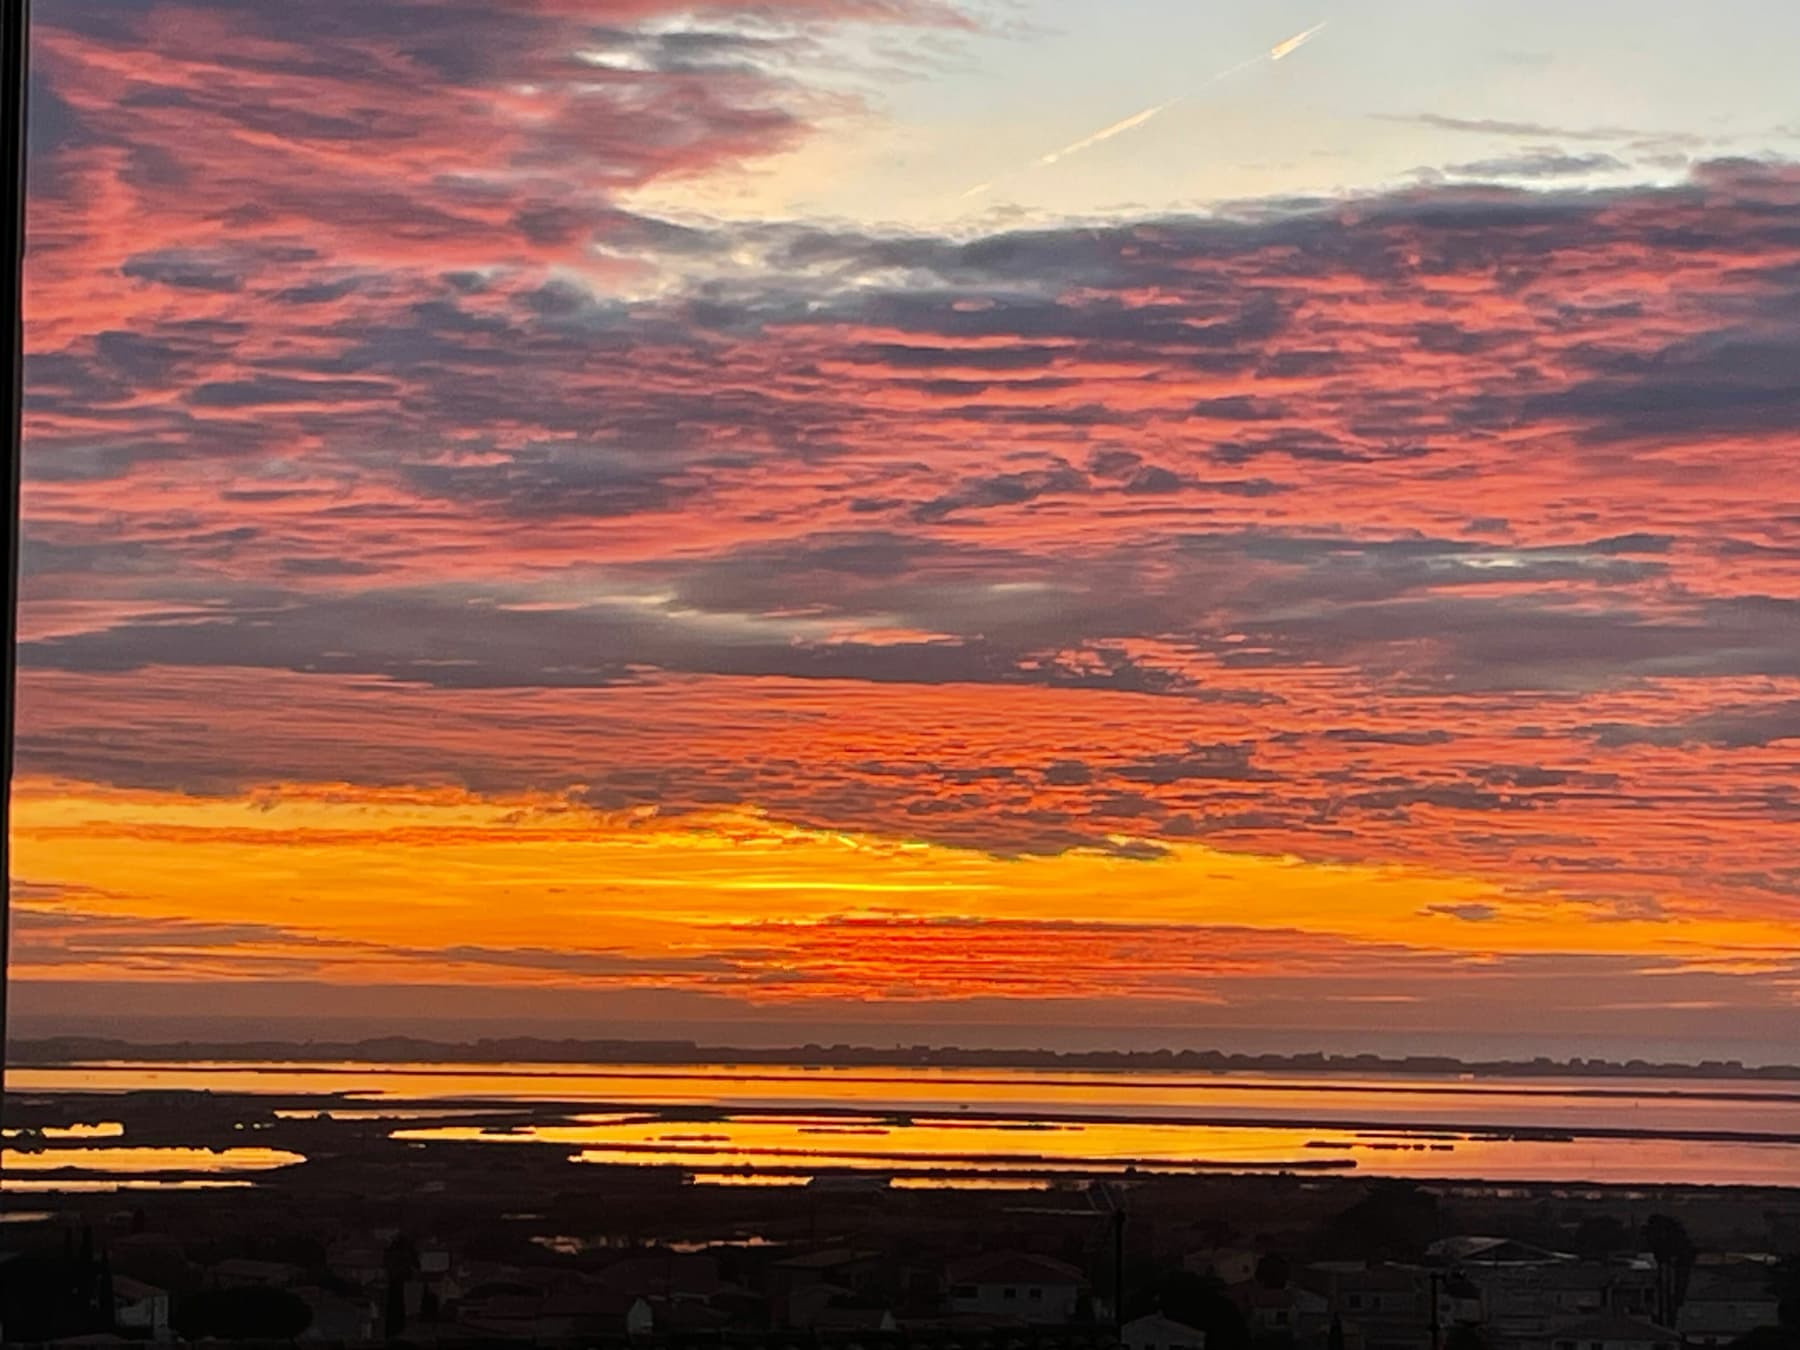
(530, 1050)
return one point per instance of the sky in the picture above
(1032, 520)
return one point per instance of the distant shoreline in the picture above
(62, 1050)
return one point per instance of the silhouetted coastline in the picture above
(542, 1050)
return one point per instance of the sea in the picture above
(790, 1124)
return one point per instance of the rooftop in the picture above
(1014, 1268)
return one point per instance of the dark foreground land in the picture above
(373, 1238)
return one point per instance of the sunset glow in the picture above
(580, 513)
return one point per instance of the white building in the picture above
(1720, 1309)
(1015, 1286)
(1228, 1265)
(1157, 1332)
(1614, 1333)
(140, 1307)
(337, 1318)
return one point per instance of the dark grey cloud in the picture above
(1371, 736)
(1715, 385)
(1470, 913)
(562, 481)
(1538, 164)
(1197, 763)
(449, 642)
(1726, 728)
(1493, 126)
(185, 271)
(262, 390)
(1005, 489)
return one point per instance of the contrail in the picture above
(1295, 43)
(1138, 119)
(1116, 129)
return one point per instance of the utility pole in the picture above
(15, 28)
(1118, 1224)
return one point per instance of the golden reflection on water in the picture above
(892, 1119)
(1666, 1104)
(88, 1186)
(794, 1144)
(141, 1161)
(103, 1129)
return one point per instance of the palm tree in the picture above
(1673, 1249)
(402, 1261)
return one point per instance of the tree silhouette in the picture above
(1395, 1220)
(253, 1313)
(1673, 1249)
(401, 1262)
(1272, 1271)
(1203, 1304)
(1786, 1278)
(1601, 1235)
(104, 1296)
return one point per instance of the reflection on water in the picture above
(90, 1186)
(899, 1183)
(103, 1129)
(142, 1161)
(391, 1112)
(1026, 1094)
(789, 1123)
(791, 1145)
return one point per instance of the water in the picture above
(785, 1123)
(146, 1161)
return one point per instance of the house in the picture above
(154, 1258)
(846, 1266)
(1227, 1265)
(336, 1318)
(434, 1261)
(239, 1272)
(844, 1321)
(140, 1308)
(1390, 1306)
(1015, 1286)
(360, 1263)
(1290, 1311)
(800, 1286)
(1372, 1293)
(1614, 1333)
(1525, 1302)
(593, 1311)
(678, 1277)
(1720, 1308)
(565, 1312)
(1157, 1332)
(1494, 1251)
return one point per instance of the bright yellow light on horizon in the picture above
(378, 883)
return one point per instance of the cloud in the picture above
(1491, 126)
(1538, 164)
(1467, 913)
(377, 433)
(1725, 728)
